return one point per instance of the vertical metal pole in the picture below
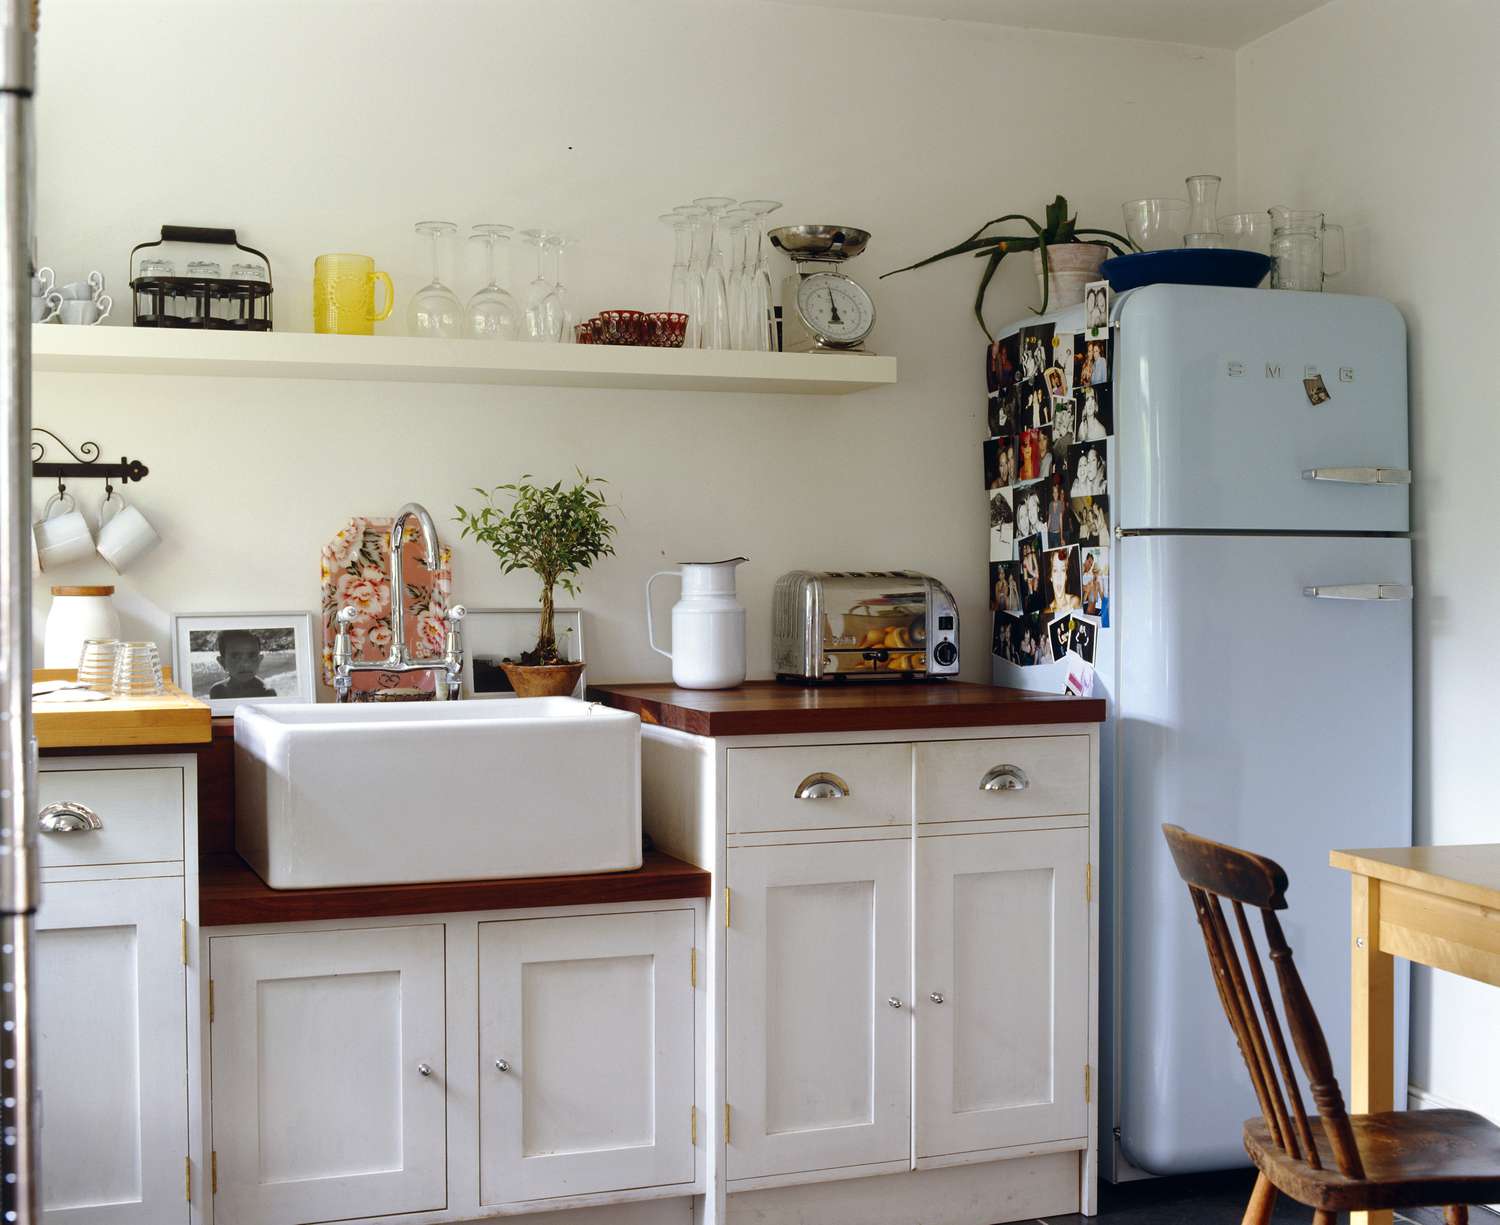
(19, 1184)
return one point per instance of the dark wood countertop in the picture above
(767, 708)
(229, 892)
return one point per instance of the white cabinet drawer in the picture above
(1033, 776)
(765, 784)
(141, 811)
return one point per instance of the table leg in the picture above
(1373, 979)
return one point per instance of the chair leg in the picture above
(1262, 1201)
(1456, 1214)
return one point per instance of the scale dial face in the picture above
(837, 310)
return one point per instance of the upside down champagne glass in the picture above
(714, 333)
(761, 294)
(697, 257)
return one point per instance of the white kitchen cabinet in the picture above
(818, 1031)
(118, 896)
(111, 1042)
(329, 1071)
(1003, 1021)
(852, 867)
(586, 1054)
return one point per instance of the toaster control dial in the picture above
(945, 653)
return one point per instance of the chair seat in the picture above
(1412, 1158)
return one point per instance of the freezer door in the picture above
(1254, 714)
(1216, 429)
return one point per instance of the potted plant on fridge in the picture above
(557, 534)
(1064, 260)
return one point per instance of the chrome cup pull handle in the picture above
(1005, 778)
(68, 818)
(822, 786)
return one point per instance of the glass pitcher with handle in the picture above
(1301, 253)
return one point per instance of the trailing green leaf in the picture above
(1058, 229)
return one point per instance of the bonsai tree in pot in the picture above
(1078, 255)
(557, 534)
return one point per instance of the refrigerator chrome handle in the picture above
(1361, 591)
(1359, 476)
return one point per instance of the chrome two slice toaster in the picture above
(881, 625)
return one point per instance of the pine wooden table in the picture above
(1438, 906)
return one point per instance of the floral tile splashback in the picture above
(357, 572)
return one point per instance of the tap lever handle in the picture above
(347, 615)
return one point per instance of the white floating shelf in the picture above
(408, 359)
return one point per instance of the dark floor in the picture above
(1206, 1199)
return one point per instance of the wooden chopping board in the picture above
(172, 718)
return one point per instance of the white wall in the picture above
(1378, 111)
(321, 125)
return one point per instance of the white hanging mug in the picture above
(708, 626)
(64, 537)
(125, 535)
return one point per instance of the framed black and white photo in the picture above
(495, 634)
(228, 658)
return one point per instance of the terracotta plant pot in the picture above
(543, 680)
(1072, 265)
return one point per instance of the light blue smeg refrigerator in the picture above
(1257, 670)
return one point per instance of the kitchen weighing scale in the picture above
(823, 309)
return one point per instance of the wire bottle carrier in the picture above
(236, 303)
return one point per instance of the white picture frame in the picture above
(287, 670)
(491, 634)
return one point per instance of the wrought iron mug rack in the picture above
(85, 464)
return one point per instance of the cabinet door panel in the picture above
(819, 1063)
(320, 1109)
(1002, 936)
(111, 1043)
(594, 1016)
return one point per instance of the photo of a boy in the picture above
(240, 656)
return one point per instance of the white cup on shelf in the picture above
(45, 309)
(87, 312)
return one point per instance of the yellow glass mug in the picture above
(344, 295)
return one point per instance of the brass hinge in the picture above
(695, 1126)
(184, 942)
(726, 905)
(213, 1171)
(210, 1001)
(1087, 1082)
(187, 1191)
(726, 1122)
(1088, 882)
(693, 968)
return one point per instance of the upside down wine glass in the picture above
(493, 313)
(542, 317)
(695, 260)
(434, 309)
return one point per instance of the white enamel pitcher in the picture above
(708, 626)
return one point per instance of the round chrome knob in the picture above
(936, 997)
(425, 1069)
(501, 1066)
(894, 1001)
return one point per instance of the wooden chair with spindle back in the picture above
(1332, 1162)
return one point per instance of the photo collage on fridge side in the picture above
(1051, 408)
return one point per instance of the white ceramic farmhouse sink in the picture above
(368, 794)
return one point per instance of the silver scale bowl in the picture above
(819, 242)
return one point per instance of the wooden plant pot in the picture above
(544, 680)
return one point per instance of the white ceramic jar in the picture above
(708, 626)
(77, 613)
